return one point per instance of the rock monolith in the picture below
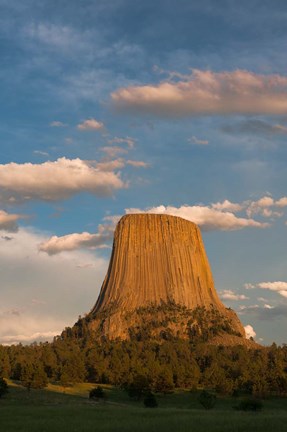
(158, 277)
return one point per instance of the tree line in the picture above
(78, 356)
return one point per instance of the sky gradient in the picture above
(116, 107)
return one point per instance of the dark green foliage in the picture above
(250, 404)
(3, 387)
(207, 400)
(154, 360)
(138, 387)
(150, 401)
(97, 393)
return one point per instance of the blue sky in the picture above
(162, 106)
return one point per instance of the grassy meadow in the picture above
(69, 410)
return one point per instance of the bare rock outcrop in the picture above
(159, 273)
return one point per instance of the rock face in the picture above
(156, 261)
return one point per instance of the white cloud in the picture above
(197, 141)
(260, 205)
(227, 205)
(282, 202)
(249, 286)
(57, 124)
(137, 164)
(69, 242)
(62, 285)
(207, 218)
(207, 93)
(265, 206)
(8, 221)
(56, 180)
(249, 331)
(41, 153)
(90, 124)
(278, 286)
(268, 306)
(128, 140)
(85, 240)
(231, 295)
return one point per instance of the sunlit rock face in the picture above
(158, 271)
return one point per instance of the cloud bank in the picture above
(207, 93)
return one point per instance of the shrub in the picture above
(250, 404)
(150, 401)
(207, 400)
(3, 387)
(97, 393)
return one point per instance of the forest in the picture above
(77, 355)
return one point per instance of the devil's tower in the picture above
(158, 278)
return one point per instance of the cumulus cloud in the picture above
(227, 205)
(207, 93)
(75, 241)
(85, 240)
(51, 181)
(282, 202)
(90, 124)
(207, 218)
(260, 205)
(266, 206)
(249, 331)
(231, 295)
(8, 221)
(197, 141)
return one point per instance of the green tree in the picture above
(139, 386)
(33, 376)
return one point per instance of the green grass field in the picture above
(52, 410)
